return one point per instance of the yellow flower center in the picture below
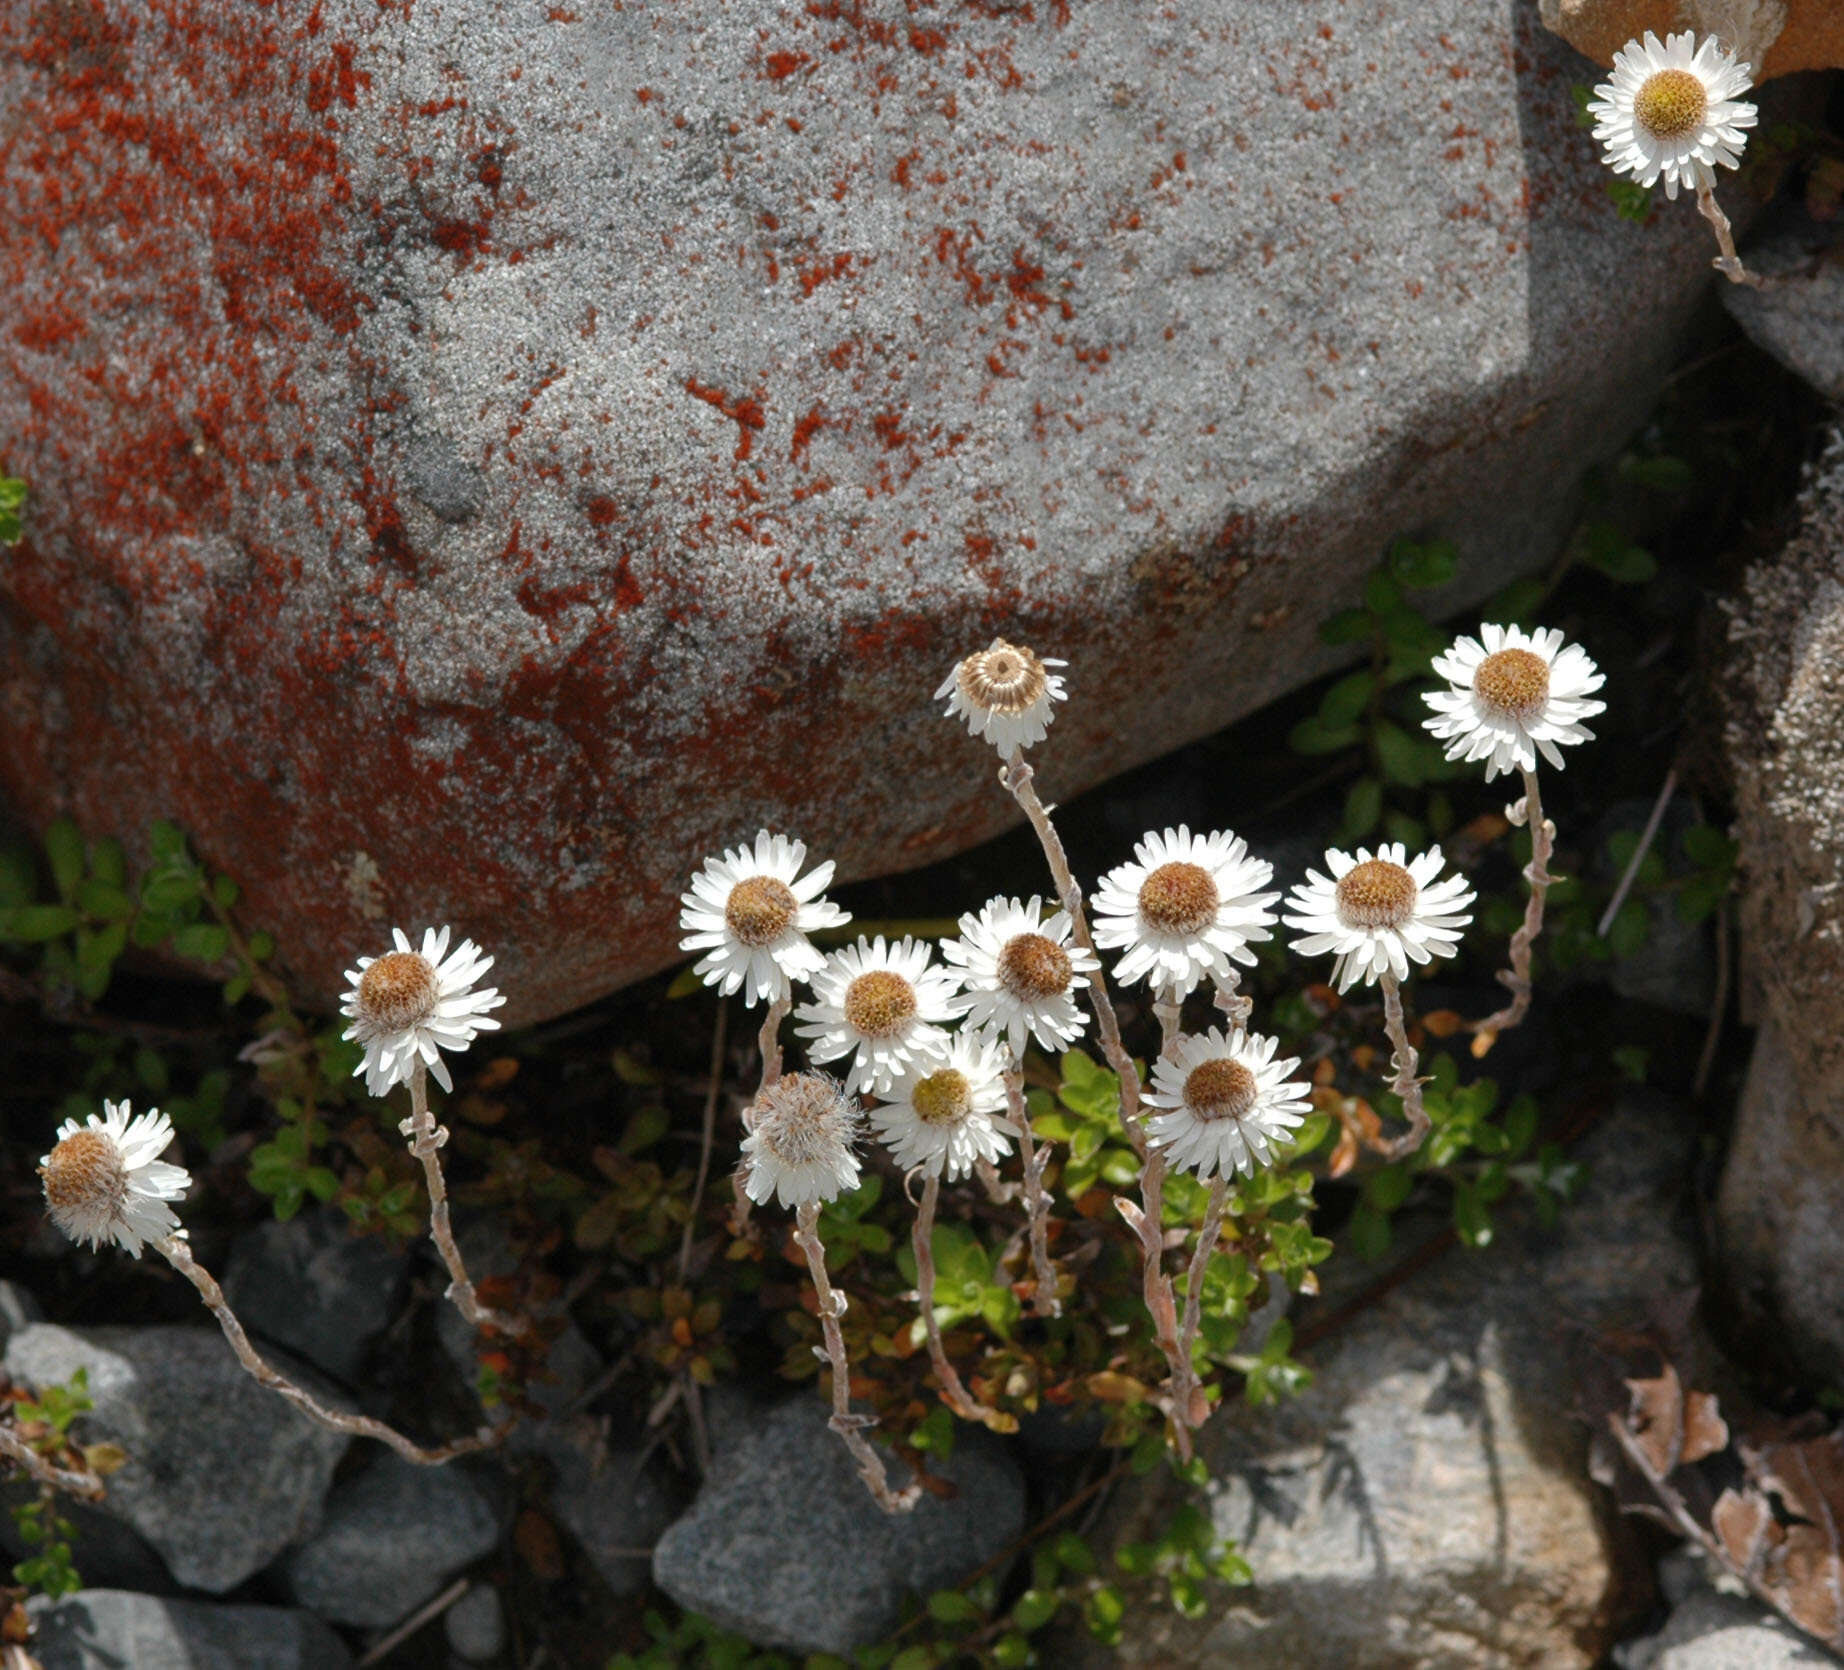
(943, 1098)
(398, 990)
(84, 1173)
(1671, 104)
(759, 910)
(1179, 898)
(1376, 894)
(1513, 682)
(1220, 1089)
(1004, 679)
(879, 1004)
(1033, 968)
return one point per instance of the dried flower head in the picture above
(1226, 1102)
(105, 1181)
(1021, 971)
(1004, 693)
(751, 912)
(941, 1111)
(885, 1003)
(1186, 908)
(1673, 110)
(408, 1005)
(799, 1146)
(1512, 696)
(1379, 914)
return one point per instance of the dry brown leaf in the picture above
(1705, 1431)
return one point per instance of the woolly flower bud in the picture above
(1004, 693)
(105, 1181)
(799, 1146)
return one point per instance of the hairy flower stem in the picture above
(1016, 777)
(768, 1041)
(1044, 1300)
(1517, 977)
(1194, 1281)
(1405, 1084)
(177, 1253)
(426, 1141)
(1728, 263)
(1161, 1301)
(922, 1239)
(1229, 998)
(848, 1426)
(85, 1484)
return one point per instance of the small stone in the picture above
(317, 1289)
(112, 1629)
(392, 1536)
(221, 1474)
(1799, 316)
(18, 1309)
(785, 1546)
(1712, 1631)
(1775, 36)
(476, 1625)
(608, 1499)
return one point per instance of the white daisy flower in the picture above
(105, 1181)
(1380, 913)
(1187, 907)
(885, 1003)
(1514, 694)
(1004, 693)
(1673, 110)
(752, 912)
(799, 1146)
(1021, 973)
(1226, 1102)
(409, 1003)
(941, 1112)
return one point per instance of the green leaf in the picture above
(1663, 473)
(1518, 602)
(1609, 551)
(1402, 759)
(1348, 626)
(18, 877)
(64, 853)
(1417, 567)
(950, 1606)
(1708, 848)
(108, 862)
(32, 924)
(1343, 704)
(1313, 736)
(1369, 1233)
(262, 945)
(1011, 1651)
(1388, 1188)
(1470, 1218)
(104, 899)
(1382, 595)
(1363, 810)
(205, 941)
(1630, 929)
(1073, 1550)
(644, 1129)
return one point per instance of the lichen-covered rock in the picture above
(1799, 316)
(486, 457)
(1776, 36)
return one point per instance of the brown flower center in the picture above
(943, 1098)
(398, 990)
(878, 1003)
(1376, 894)
(804, 1117)
(1220, 1089)
(1514, 682)
(1004, 679)
(85, 1173)
(759, 910)
(1670, 104)
(1179, 898)
(1033, 968)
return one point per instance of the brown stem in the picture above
(1016, 776)
(848, 1426)
(426, 1141)
(1728, 263)
(1405, 1084)
(922, 1239)
(85, 1484)
(998, 1191)
(1194, 1280)
(768, 1040)
(1229, 998)
(707, 1135)
(1044, 1300)
(1147, 1220)
(177, 1253)
(1517, 977)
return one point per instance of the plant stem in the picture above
(1194, 1284)
(177, 1253)
(1229, 998)
(1044, 1299)
(707, 1135)
(1728, 263)
(426, 1141)
(85, 1484)
(1147, 1220)
(1405, 1084)
(848, 1426)
(768, 1040)
(1536, 872)
(922, 1239)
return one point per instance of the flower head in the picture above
(1004, 693)
(799, 1146)
(886, 1003)
(1673, 110)
(1021, 972)
(1380, 913)
(410, 1004)
(1186, 907)
(105, 1181)
(1226, 1101)
(1514, 694)
(751, 912)
(941, 1111)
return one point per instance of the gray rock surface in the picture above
(506, 410)
(1799, 319)
(18, 1309)
(1676, 967)
(1708, 1630)
(1781, 1202)
(607, 1498)
(475, 1626)
(317, 1289)
(1425, 1504)
(784, 1545)
(221, 1474)
(111, 1629)
(391, 1537)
